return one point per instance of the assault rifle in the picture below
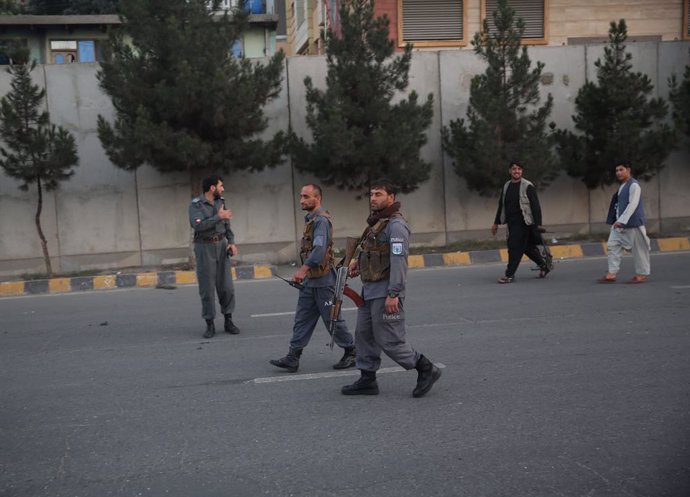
(341, 287)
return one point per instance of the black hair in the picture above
(210, 181)
(515, 163)
(622, 162)
(384, 184)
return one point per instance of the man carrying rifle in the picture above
(317, 277)
(382, 264)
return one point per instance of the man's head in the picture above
(515, 171)
(381, 194)
(623, 170)
(214, 185)
(310, 197)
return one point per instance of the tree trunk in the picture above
(44, 243)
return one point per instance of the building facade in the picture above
(451, 24)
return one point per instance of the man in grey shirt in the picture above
(382, 264)
(317, 277)
(214, 243)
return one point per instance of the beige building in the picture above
(436, 24)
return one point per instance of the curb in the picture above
(262, 271)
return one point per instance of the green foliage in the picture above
(71, 7)
(616, 119)
(503, 121)
(9, 7)
(34, 150)
(680, 100)
(182, 102)
(358, 133)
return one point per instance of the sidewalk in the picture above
(167, 279)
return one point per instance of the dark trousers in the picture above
(214, 275)
(522, 239)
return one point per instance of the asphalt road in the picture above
(556, 387)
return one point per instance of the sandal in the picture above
(543, 271)
(505, 279)
(606, 279)
(638, 278)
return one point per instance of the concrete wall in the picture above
(108, 218)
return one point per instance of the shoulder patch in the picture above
(396, 248)
(195, 200)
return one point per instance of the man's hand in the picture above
(301, 273)
(494, 229)
(232, 249)
(618, 225)
(392, 305)
(353, 269)
(224, 213)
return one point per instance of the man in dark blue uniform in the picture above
(214, 243)
(317, 276)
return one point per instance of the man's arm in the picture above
(634, 195)
(198, 219)
(399, 250)
(497, 219)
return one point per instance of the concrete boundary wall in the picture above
(108, 218)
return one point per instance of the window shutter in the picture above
(531, 11)
(429, 20)
(687, 18)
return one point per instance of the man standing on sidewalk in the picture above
(518, 207)
(214, 243)
(627, 219)
(317, 276)
(382, 264)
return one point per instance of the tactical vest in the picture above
(308, 245)
(375, 257)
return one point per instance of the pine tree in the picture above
(616, 119)
(182, 101)
(680, 100)
(358, 133)
(35, 151)
(503, 121)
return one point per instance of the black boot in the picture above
(366, 385)
(210, 329)
(428, 375)
(230, 326)
(290, 362)
(348, 359)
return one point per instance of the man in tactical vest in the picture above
(518, 207)
(317, 277)
(214, 243)
(627, 219)
(382, 264)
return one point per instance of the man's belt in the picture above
(210, 239)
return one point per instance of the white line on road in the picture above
(680, 287)
(290, 313)
(330, 374)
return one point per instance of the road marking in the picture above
(680, 287)
(290, 313)
(329, 374)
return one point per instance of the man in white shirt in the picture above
(627, 219)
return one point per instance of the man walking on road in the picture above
(382, 264)
(518, 207)
(627, 219)
(317, 277)
(214, 243)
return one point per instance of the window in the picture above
(686, 19)
(533, 12)
(431, 22)
(71, 51)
